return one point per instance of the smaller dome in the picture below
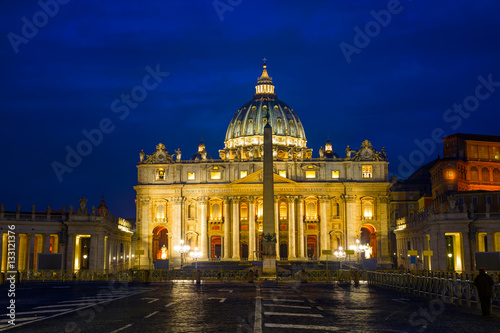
(329, 153)
(202, 154)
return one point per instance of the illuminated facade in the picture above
(321, 202)
(465, 215)
(96, 240)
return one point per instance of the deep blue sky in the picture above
(64, 78)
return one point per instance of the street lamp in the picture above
(340, 254)
(195, 255)
(182, 249)
(358, 248)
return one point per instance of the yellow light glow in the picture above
(282, 173)
(335, 174)
(215, 175)
(243, 174)
(191, 175)
(310, 174)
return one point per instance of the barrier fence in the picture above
(160, 275)
(449, 287)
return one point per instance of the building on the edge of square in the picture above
(215, 204)
(95, 240)
(465, 215)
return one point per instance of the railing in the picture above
(449, 287)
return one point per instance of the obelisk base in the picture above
(269, 260)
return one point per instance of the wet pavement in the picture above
(236, 307)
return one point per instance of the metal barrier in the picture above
(446, 286)
(160, 275)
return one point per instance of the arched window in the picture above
(311, 211)
(215, 216)
(485, 175)
(160, 212)
(283, 211)
(474, 174)
(496, 176)
(367, 209)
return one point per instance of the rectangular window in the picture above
(282, 173)
(243, 174)
(460, 201)
(483, 153)
(160, 174)
(367, 171)
(335, 174)
(311, 174)
(474, 201)
(191, 175)
(472, 151)
(488, 200)
(215, 175)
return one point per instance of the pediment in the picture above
(257, 177)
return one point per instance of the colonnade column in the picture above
(251, 226)
(93, 263)
(291, 230)
(277, 226)
(301, 226)
(349, 220)
(46, 243)
(70, 241)
(324, 239)
(236, 228)
(177, 228)
(203, 201)
(227, 229)
(31, 252)
(384, 252)
(145, 215)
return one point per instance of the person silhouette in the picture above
(484, 284)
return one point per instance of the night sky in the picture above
(352, 70)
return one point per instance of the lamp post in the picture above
(340, 254)
(358, 248)
(195, 255)
(182, 249)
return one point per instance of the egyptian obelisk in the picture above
(269, 232)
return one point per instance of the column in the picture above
(236, 228)
(383, 238)
(30, 246)
(203, 202)
(301, 227)
(93, 263)
(251, 227)
(349, 220)
(70, 241)
(489, 240)
(100, 251)
(323, 225)
(291, 229)
(145, 215)
(177, 228)
(46, 243)
(227, 229)
(277, 226)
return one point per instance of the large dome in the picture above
(247, 126)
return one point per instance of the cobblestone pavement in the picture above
(232, 307)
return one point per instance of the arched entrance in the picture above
(216, 247)
(160, 243)
(312, 247)
(369, 236)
